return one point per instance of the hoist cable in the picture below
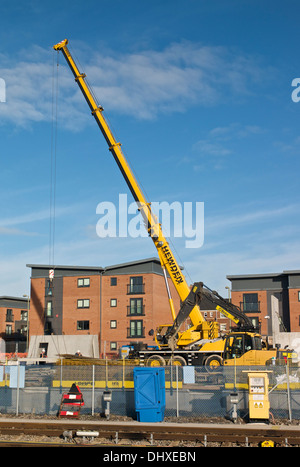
(54, 119)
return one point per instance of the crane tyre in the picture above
(177, 361)
(213, 362)
(155, 360)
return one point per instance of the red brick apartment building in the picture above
(271, 300)
(120, 304)
(13, 322)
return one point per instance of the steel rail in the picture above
(123, 432)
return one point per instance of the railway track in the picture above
(64, 433)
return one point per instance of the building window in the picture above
(136, 329)
(49, 309)
(255, 322)
(113, 324)
(113, 346)
(49, 287)
(23, 330)
(24, 315)
(250, 303)
(113, 281)
(8, 329)
(9, 315)
(299, 296)
(136, 285)
(83, 325)
(113, 302)
(136, 307)
(83, 303)
(48, 330)
(83, 282)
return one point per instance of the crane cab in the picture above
(246, 348)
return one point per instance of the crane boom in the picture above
(197, 293)
(184, 346)
(153, 227)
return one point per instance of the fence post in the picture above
(234, 373)
(106, 372)
(18, 388)
(93, 391)
(288, 390)
(123, 373)
(61, 370)
(177, 398)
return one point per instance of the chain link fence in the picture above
(191, 392)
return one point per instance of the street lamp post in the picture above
(229, 293)
(27, 333)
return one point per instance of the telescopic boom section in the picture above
(166, 256)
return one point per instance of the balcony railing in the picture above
(135, 334)
(251, 307)
(135, 289)
(136, 310)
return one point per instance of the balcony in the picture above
(135, 289)
(135, 310)
(137, 333)
(251, 307)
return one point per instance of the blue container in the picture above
(149, 393)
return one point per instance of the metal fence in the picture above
(191, 392)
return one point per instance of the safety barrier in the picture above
(110, 374)
(191, 392)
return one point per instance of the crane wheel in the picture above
(213, 362)
(177, 361)
(155, 360)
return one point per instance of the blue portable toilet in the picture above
(149, 393)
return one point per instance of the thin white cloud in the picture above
(233, 254)
(221, 142)
(212, 148)
(247, 217)
(183, 74)
(8, 225)
(142, 84)
(235, 131)
(25, 218)
(8, 231)
(212, 268)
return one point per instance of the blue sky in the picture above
(199, 94)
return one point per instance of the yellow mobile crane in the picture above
(200, 344)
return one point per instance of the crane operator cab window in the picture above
(239, 344)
